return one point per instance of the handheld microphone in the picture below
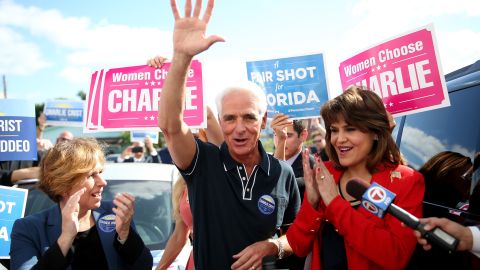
(378, 200)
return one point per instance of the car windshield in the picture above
(153, 215)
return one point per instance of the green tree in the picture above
(82, 95)
(38, 110)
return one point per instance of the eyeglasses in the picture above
(317, 141)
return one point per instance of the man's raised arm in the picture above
(188, 40)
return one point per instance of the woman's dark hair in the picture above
(363, 109)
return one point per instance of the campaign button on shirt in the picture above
(266, 204)
(107, 223)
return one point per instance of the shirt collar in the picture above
(229, 163)
(142, 159)
(292, 159)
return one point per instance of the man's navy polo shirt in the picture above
(231, 211)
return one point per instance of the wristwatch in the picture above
(281, 251)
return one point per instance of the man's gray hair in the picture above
(246, 86)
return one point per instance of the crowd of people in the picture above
(242, 207)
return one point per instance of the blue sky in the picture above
(50, 48)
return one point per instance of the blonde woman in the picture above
(183, 226)
(80, 231)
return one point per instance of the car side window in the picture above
(455, 128)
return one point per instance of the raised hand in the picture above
(149, 144)
(70, 210)
(125, 206)
(156, 62)
(325, 183)
(311, 188)
(70, 223)
(279, 124)
(127, 152)
(189, 32)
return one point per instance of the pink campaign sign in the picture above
(128, 98)
(404, 71)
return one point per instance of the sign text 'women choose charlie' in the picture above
(128, 98)
(405, 72)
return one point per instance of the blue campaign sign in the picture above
(64, 112)
(12, 207)
(295, 86)
(139, 136)
(17, 130)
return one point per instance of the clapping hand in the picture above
(325, 183)
(125, 206)
(70, 223)
(319, 183)
(313, 196)
(70, 210)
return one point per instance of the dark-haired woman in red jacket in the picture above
(331, 224)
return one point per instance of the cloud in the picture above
(18, 56)
(413, 9)
(375, 21)
(458, 48)
(115, 46)
(79, 45)
(84, 45)
(49, 24)
(421, 144)
(424, 146)
(370, 22)
(214, 80)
